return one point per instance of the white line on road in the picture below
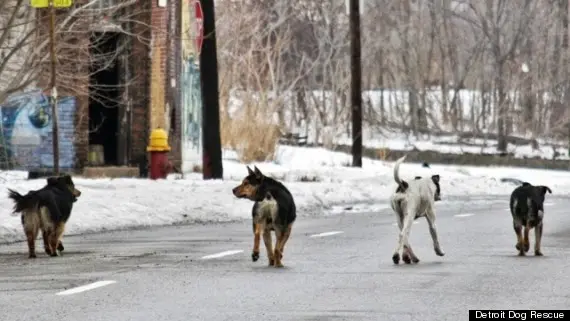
(86, 287)
(549, 203)
(327, 234)
(221, 254)
(464, 215)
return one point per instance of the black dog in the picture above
(274, 210)
(47, 209)
(527, 209)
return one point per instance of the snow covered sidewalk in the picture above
(107, 204)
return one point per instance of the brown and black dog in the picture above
(46, 209)
(274, 210)
(527, 210)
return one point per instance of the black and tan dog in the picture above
(46, 209)
(274, 210)
(527, 209)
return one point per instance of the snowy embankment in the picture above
(107, 204)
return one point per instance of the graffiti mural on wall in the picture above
(191, 100)
(26, 132)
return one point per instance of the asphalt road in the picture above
(160, 273)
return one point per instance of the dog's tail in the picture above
(22, 202)
(397, 169)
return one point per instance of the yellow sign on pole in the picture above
(56, 3)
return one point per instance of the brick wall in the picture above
(164, 101)
(140, 85)
(173, 93)
(159, 25)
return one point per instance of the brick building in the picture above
(111, 123)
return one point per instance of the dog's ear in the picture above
(435, 179)
(52, 180)
(526, 184)
(545, 189)
(249, 171)
(67, 179)
(257, 172)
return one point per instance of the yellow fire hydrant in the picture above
(158, 148)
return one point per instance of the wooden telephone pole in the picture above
(52, 5)
(212, 145)
(356, 83)
(52, 84)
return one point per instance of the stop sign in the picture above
(199, 25)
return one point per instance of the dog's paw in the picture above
(279, 265)
(406, 258)
(439, 252)
(32, 256)
(255, 256)
(521, 253)
(60, 247)
(518, 247)
(415, 259)
(526, 247)
(538, 253)
(396, 258)
(271, 262)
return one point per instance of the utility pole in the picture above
(53, 100)
(211, 140)
(356, 83)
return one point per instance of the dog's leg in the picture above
(284, 238)
(58, 233)
(526, 242)
(256, 238)
(517, 225)
(538, 239)
(412, 255)
(31, 235)
(31, 224)
(408, 220)
(46, 242)
(268, 245)
(52, 239)
(430, 216)
(281, 235)
(408, 256)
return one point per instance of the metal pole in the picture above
(53, 100)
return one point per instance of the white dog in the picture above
(412, 200)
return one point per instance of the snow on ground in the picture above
(451, 144)
(107, 204)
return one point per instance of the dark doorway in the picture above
(104, 94)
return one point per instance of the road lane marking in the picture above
(327, 234)
(549, 203)
(86, 287)
(221, 254)
(464, 215)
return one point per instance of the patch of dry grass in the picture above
(254, 138)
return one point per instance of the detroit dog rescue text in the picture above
(518, 314)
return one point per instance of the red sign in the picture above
(199, 25)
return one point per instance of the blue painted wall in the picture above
(26, 132)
